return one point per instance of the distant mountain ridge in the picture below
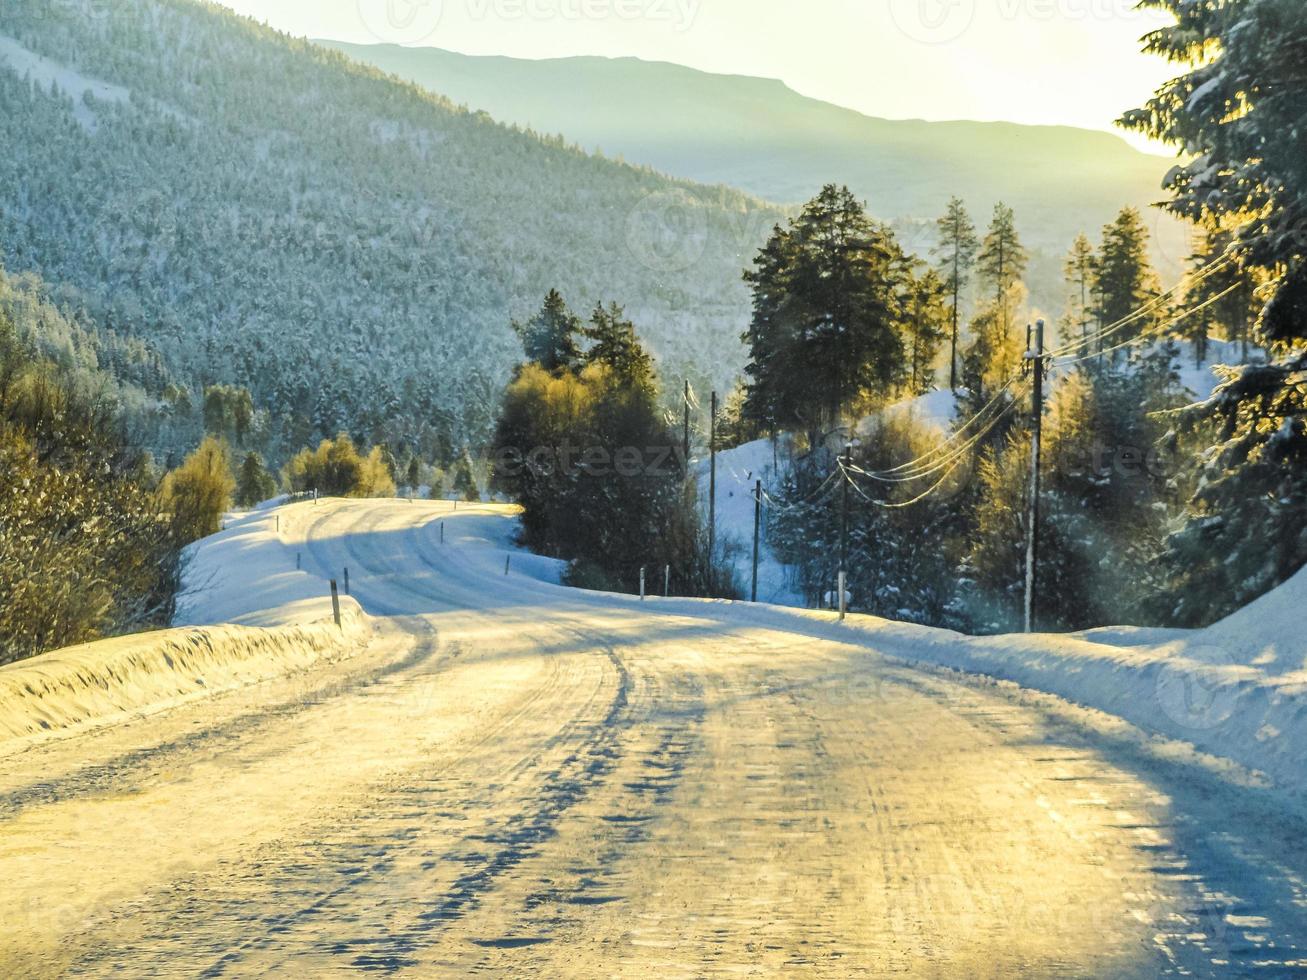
(764, 138)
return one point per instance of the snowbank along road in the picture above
(513, 778)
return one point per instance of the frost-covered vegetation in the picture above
(86, 544)
(262, 213)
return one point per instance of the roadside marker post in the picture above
(507, 561)
(347, 580)
(843, 597)
(667, 581)
(642, 583)
(335, 603)
(297, 561)
(442, 532)
(757, 525)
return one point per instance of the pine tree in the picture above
(413, 477)
(1002, 262)
(1125, 277)
(549, 337)
(1081, 272)
(926, 330)
(1239, 114)
(827, 315)
(1227, 293)
(255, 483)
(956, 251)
(465, 482)
(614, 345)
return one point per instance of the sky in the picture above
(1063, 62)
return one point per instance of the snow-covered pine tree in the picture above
(1239, 112)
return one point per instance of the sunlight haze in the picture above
(1054, 62)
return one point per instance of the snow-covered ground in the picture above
(46, 72)
(514, 777)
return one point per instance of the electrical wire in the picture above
(1149, 307)
(921, 466)
(884, 505)
(940, 464)
(1169, 323)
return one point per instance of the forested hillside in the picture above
(262, 213)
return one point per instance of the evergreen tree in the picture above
(1227, 293)
(1001, 263)
(1239, 113)
(549, 337)
(465, 481)
(413, 477)
(255, 483)
(956, 252)
(827, 315)
(614, 344)
(926, 330)
(1081, 272)
(1125, 277)
(771, 337)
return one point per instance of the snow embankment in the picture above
(275, 620)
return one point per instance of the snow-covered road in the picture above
(520, 779)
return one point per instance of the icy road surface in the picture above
(517, 779)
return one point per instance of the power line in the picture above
(942, 463)
(1149, 307)
(1169, 323)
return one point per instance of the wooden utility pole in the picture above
(1036, 356)
(757, 526)
(712, 485)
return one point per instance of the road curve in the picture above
(519, 779)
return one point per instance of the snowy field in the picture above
(517, 778)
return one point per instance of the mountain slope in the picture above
(759, 135)
(264, 212)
